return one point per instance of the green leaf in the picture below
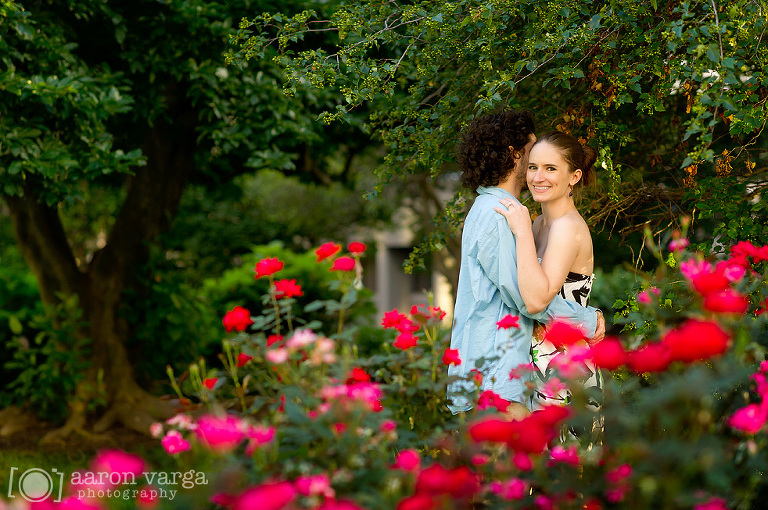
(15, 325)
(314, 306)
(15, 168)
(120, 33)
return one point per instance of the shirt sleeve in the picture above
(497, 255)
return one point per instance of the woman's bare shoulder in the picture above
(569, 224)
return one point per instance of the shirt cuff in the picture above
(590, 322)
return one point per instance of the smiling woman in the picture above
(563, 154)
(557, 164)
(555, 254)
(549, 176)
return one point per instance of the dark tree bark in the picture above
(153, 194)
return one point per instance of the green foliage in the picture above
(172, 318)
(743, 218)
(107, 112)
(48, 367)
(216, 227)
(608, 286)
(187, 314)
(19, 302)
(84, 82)
(673, 95)
(54, 111)
(237, 286)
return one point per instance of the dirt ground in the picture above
(28, 440)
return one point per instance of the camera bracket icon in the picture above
(35, 484)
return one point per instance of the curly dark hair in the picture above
(483, 152)
(574, 153)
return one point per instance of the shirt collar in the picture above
(495, 191)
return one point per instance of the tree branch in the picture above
(43, 243)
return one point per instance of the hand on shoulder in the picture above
(517, 215)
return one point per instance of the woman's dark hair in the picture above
(577, 156)
(483, 152)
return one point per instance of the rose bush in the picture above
(292, 417)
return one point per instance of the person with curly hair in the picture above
(493, 154)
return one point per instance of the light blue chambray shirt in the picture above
(487, 292)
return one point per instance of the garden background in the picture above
(153, 153)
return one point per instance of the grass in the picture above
(23, 462)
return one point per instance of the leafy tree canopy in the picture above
(672, 94)
(108, 110)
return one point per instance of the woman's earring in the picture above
(570, 193)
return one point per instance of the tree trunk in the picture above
(153, 196)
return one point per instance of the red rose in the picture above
(550, 416)
(451, 356)
(242, 359)
(343, 264)
(529, 435)
(405, 341)
(696, 340)
(459, 482)
(398, 321)
(744, 249)
(268, 267)
(608, 353)
(358, 375)
(494, 430)
(423, 313)
(326, 250)
(393, 319)
(652, 357)
(419, 502)
(287, 289)
(726, 301)
(561, 333)
(462, 483)
(210, 382)
(524, 435)
(489, 398)
(522, 461)
(761, 254)
(708, 282)
(508, 321)
(237, 319)
(436, 313)
(356, 248)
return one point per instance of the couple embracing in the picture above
(537, 271)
